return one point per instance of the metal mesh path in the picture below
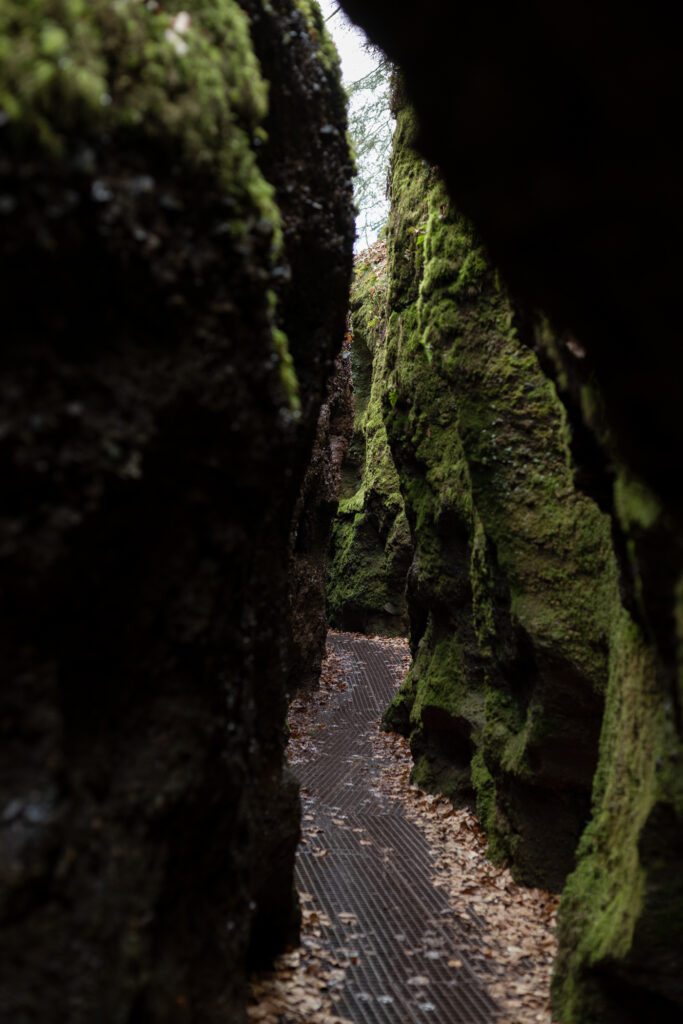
(407, 956)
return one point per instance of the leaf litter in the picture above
(515, 925)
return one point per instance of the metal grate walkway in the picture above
(408, 957)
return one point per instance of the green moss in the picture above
(184, 79)
(399, 542)
(603, 899)
(356, 580)
(371, 539)
(396, 717)
(482, 583)
(594, 416)
(639, 512)
(500, 849)
(351, 506)
(428, 780)
(635, 503)
(444, 683)
(290, 382)
(327, 51)
(507, 552)
(70, 68)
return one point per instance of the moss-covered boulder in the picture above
(513, 575)
(171, 177)
(371, 544)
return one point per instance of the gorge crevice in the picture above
(177, 430)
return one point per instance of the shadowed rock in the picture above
(552, 127)
(161, 378)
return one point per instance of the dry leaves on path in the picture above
(513, 926)
(306, 708)
(301, 987)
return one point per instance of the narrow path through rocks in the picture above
(405, 921)
(369, 868)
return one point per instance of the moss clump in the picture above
(441, 705)
(444, 686)
(71, 69)
(322, 38)
(636, 505)
(498, 850)
(184, 80)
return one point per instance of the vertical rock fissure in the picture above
(177, 431)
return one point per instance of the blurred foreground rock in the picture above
(163, 211)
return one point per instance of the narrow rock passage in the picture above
(369, 869)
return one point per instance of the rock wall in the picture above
(553, 131)
(371, 547)
(510, 587)
(161, 376)
(571, 180)
(312, 528)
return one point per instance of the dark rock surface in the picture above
(553, 129)
(312, 528)
(371, 545)
(160, 385)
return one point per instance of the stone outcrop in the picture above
(164, 211)
(312, 528)
(509, 586)
(371, 546)
(553, 130)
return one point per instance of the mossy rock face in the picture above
(513, 579)
(371, 543)
(619, 928)
(162, 209)
(530, 608)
